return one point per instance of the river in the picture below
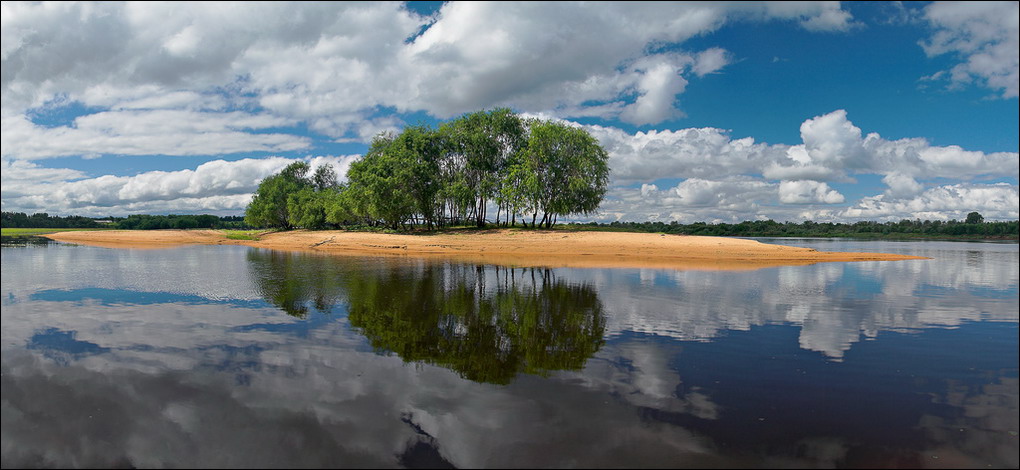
(229, 356)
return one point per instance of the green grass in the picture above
(243, 234)
(27, 232)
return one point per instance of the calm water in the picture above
(214, 356)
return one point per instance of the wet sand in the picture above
(548, 248)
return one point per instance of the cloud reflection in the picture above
(238, 384)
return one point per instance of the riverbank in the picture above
(502, 246)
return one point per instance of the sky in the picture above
(710, 111)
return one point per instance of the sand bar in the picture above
(548, 248)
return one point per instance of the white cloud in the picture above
(336, 64)
(730, 180)
(808, 192)
(833, 141)
(657, 87)
(901, 185)
(830, 19)
(832, 150)
(30, 173)
(692, 200)
(711, 60)
(218, 78)
(217, 186)
(994, 201)
(147, 132)
(986, 35)
(685, 153)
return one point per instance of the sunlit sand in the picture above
(549, 248)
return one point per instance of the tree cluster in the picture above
(132, 222)
(973, 227)
(156, 222)
(530, 170)
(44, 220)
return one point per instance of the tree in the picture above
(268, 207)
(382, 178)
(432, 177)
(307, 208)
(562, 170)
(478, 147)
(975, 218)
(324, 177)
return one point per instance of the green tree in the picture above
(478, 147)
(432, 177)
(975, 218)
(307, 208)
(324, 178)
(344, 206)
(562, 170)
(268, 207)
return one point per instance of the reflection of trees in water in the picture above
(24, 240)
(487, 323)
(292, 282)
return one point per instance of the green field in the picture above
(27, 232)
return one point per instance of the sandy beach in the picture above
(502, 246)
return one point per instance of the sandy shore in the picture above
(505, 247)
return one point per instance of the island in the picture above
(507, 247)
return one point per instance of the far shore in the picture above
(524, 248)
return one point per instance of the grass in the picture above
(27, 232)
(243, 234)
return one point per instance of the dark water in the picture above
(221, 356)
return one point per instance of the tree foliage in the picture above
(132, 222)
(269, 206)
(450, 175)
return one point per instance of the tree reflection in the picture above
(296, 282)
(24, 240)
(487, 323)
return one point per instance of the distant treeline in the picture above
(132, 222)
(531, 171)
(974, 227)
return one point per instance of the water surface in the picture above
(232, 356)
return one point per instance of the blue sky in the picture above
(712, 112)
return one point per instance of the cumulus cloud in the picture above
(692, 200)
(29, 173)
(217, 186)
(147, 132)
(212, 78)
(728, 179)
(685, 153)
(901, 185)
(808, 192)
(995, 201)
(985, 35)
(833, 149)
(833, 141)
(335, 65)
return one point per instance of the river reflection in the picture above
(488, 323)
(224, 356)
